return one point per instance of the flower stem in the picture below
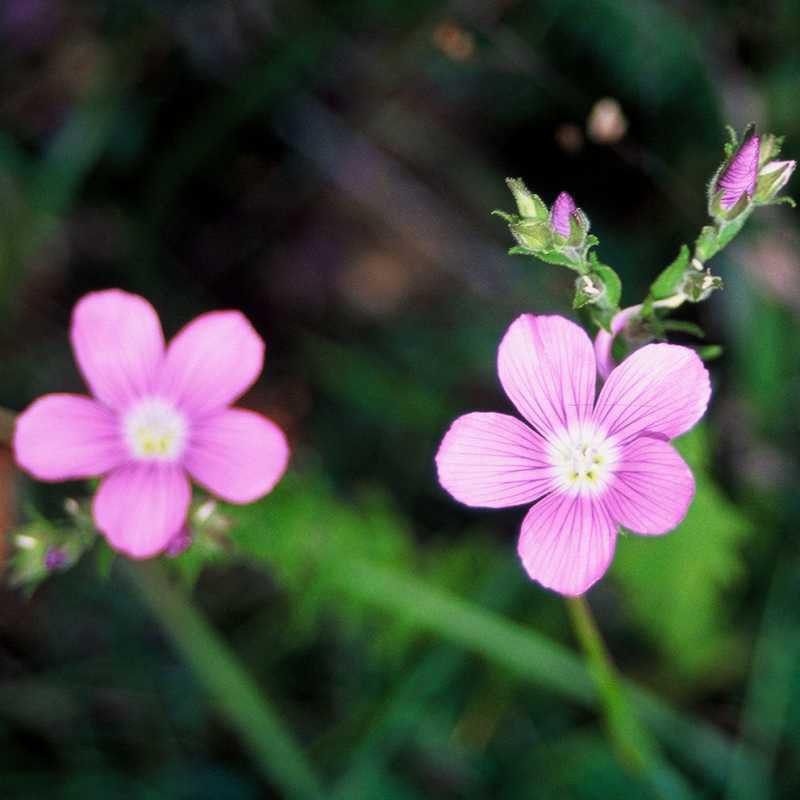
(233, 691)
(634, 747)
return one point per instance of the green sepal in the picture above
(509, 218)
(669, 281)
(731, 146)
(741, 207)
(699, 285)
(683, 326)
(559, 258)
(770, 148)
(532, 234)
(709, 352)
(784, 199)
(612, 285)
(601, 287)
(578, 228)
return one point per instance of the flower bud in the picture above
(561, 214)
(737, 182)
(772, 177)
(54, 558)
(530, 205)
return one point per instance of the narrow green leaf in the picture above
(669, 281)
(230, 687)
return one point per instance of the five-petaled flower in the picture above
(159, 415)
(592, 465)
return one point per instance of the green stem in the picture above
(633, 746)
(531, 656)
(234, 692)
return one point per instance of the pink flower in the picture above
(593, 465)
(560, 214)
(159, 415)
(739, 177)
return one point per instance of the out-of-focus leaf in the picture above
(675, 583)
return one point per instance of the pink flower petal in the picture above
(141, 507)
(652, 487)
(493, 460)
(118, 345)
(61, 437)
(212, 362)
(604, 340)
(567, 542)
(547, 368)
(238, 455)
(661, 388)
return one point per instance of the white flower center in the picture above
(583, 460)
(155, 430)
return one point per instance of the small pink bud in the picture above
(739, 177)
(55, 558)
(561, 212)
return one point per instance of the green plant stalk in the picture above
(527, 654)
(633, 745)
(234, 692)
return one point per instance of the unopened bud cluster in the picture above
(560, 235)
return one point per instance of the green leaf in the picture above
(669, 281)
(687, 571)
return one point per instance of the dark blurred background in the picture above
(329, 168)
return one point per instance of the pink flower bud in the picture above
(739, 177)
(55, 558)
(560, 214)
